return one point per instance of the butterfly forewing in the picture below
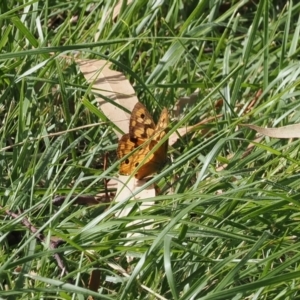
(141, 125)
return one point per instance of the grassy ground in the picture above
(229, 229)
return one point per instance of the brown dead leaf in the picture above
(127, 187)
(111, 84)
(115, 86)
(285, 132)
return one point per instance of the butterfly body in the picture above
(143, 136)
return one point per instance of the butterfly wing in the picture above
(141, 128)
(141, 124)
(144, 133)
(126, 145)
(157, 159)
(127, 166)
(160, 132)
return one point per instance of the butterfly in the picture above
(144, 135)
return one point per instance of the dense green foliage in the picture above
(226, 222)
